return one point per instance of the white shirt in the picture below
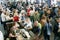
(3, 17)
(7, 18)
(1, 36)
(29, 25)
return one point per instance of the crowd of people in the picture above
(27, 19)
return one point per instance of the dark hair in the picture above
(31, 8)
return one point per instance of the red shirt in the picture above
(16, 18)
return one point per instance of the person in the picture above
(8, 18)
(47, 29)
(3, 18)
(28, 11)
(15, 17)
(58, 14)
(36, 28)
(56, 29)
(19, 6)
(13, 29)
(36, 16)
(28, 24)
(31, 14)
(0, 13)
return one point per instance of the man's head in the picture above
(58, 19)
(48, 11)
(36, 23)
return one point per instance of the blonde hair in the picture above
(15, 12)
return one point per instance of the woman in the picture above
(15, 17)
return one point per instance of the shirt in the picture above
(28, 25)
(16, 18)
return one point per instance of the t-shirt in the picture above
(16, 18)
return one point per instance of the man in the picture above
(36, 16)
(3, 16)
(47, 29)
(36, 29)
(57, 29)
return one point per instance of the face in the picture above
(58, 20)
(36, 23)
(59, 13)
(48, 11)
(45, 9)
(27, 19)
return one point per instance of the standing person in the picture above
(36, 30)
(36, 16)
(3, 21)
(15, 17)
(31, 14)
(8, 18)
(28, 11)
(12, 34)
(22, 16)
(28, 24)
(47, 30)
(3, 18)
(57, 29)
(0, 13)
